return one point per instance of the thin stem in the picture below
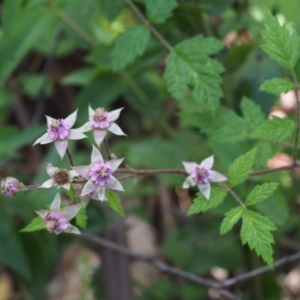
(77, 29)
(297, 115)
(107, 149)
(151, 172)
(267, 171)
(70, 158)
(246, 276)
(160, 265)
(149, 25)
(233, 194)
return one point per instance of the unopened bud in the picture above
(10, 186)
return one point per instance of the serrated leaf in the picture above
(81, 218)
(252, 113)
(71, 193)
(281, 43)
(261, 192)
(223, 126)
(276, 129)
(277, 86)
(256, 232)
(231, 218)
(201, 204)
(114, 203)
(189, 66)
(35, 225)
(128, 45)
(158, 11)
(240, 168)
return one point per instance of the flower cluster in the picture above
(94, 180)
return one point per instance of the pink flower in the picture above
(59, 177)
(57, 220)
(202, 175)
(59, 131)
(99, 176)
(10, 186)
(102, 121)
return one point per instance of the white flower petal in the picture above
(55, 205)
(91, 111)
(83, 171)
(204, 190)
(86, 127)
(189, 166)
(96, 156)
(99, 136)
(72, 229)
(217, 177)
(71, 211)
(75, 134)
(49, 121)
(188, 182)
(114, 184)
(114, 164)
(66, 186)
(115, 129)
(88, 188)
(61, 147)
(48, 184)
(51, 170)
(71, 119)
(101, 193)
(73, 174)
(208, 162)
(42, 212)
(46, 139)
(115, 114)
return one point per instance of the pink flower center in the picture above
(55, 222)
(58, 130)
(100, 173)
(101, 119)
(201, 174)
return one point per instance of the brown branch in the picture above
(246, 276)
(70, 158)
(107, 149)
(233, 194)
(297, 115)
(160, 265)
(151, 172)
(149, 25)
(267, 171)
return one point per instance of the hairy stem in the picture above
(70, 158)
(150, 26)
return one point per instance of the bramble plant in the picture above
(193, 75)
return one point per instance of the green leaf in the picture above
(189, 66)
(81, 218)
(113, 8)
(256, 232)
(261, 193)
(81, 77)
(36, 224)
(276, 129)
(128, 45)
(71, 193)
(240, 168)
(201, 204)
(115, 203)
(281, 43)
(252, 113)
(277, 86)
(158, 11)
(231, 218)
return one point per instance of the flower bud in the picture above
(10, 186)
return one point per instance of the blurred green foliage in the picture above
(104, 56)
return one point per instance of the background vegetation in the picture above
(57, 56)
